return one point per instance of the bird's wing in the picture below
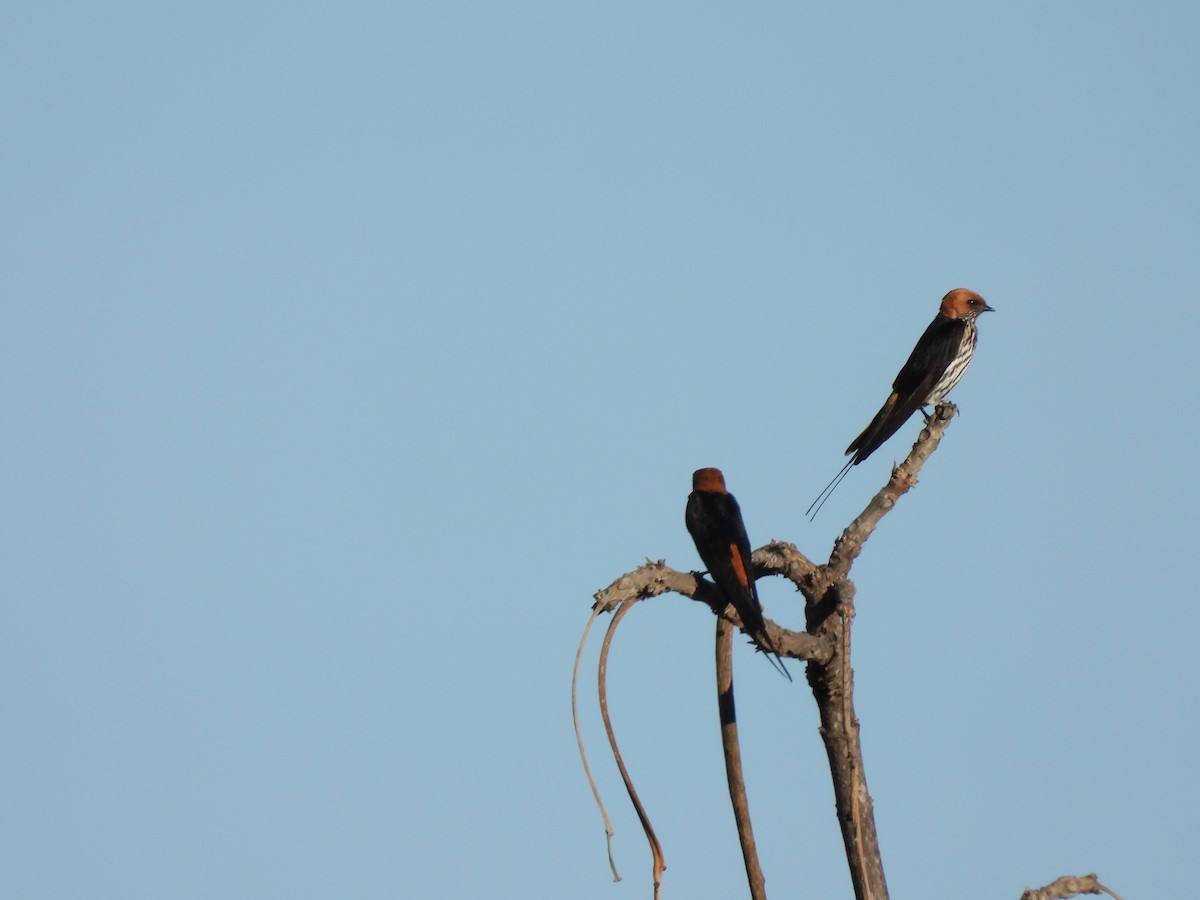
(932, 355)
(917, 378)
(715, 523)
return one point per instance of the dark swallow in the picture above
(714, 520)
(934, 367)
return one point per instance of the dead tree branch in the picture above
(829, 612)
(825, 645)
(733, 759)
(655, 578)
(1068, 886)
(659, 862)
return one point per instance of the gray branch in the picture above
(825, 645)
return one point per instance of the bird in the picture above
(935, 365)
(714, 521)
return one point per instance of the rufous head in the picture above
(708, 480)
(963, 304)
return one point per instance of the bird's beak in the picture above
(987, 308)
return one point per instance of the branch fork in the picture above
(824, 645)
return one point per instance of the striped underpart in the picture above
(957, 366)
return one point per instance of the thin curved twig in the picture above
(608, 827)
(602, 678)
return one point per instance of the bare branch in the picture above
(587, 769)
(833, 688)
(659, 863)
(1068, 886)
(904, 476)
(656, 578)
(829, 593)
(733, 759)
(781, 558)
(650, 580)
(825, 643)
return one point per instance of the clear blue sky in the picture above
(348, 349)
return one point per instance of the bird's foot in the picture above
(944, 410)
